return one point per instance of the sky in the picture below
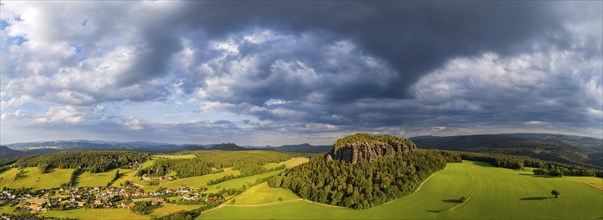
(287, 72)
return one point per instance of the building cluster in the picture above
(90, 197)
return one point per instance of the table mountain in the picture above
(368, 147)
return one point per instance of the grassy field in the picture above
(289, 163)
(149, 162)
(127, 173)
(101, 179)
(116, 213)
(494, 193)
(198, 181)
(35, 179)
(7, 209)
(176, 156)
(166, 209)
(262, 194)
(240, 182)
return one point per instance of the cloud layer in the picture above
(287, 72)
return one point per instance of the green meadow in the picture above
(114, 213)
(102, 178)
(166, 209)
(196, 182)
(33, 178)
(263, 194)
(493, 193)
(289, 163)
(126, 175)
(176, 156)
(237, 183)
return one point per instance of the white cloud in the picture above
(132, 123)
(534, 122)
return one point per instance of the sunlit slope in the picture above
(33, 178)
(494, 193)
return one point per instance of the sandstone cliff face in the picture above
(371, 150)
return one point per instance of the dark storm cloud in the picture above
(413, 37)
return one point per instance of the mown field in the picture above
(166, 209)
(196, 182)
(237, 183)
(262, 194)
(35, 179)
(289, 163)
(95, 214)
(494, 193)
(201, 181)
(102, 178)
(176, 156)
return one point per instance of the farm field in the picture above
(166, 209)
(239, 182)
(126, 174)
(176, 156)
(262, 194)
(35, 179)
(289, 163)
(101, 179)
(119, 213)
(196, 182)
(495, 193)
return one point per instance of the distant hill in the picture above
(7, 152)
(227, 146)
(553, 147)
(305, 148)
(191, 147)
(60, 145)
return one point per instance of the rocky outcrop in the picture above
(366, 147)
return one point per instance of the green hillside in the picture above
(551, 147)
(493, 193)
(31, 177)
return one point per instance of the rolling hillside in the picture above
(7, 152)
(553, 147)
(493, 193)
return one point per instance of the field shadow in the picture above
(451, 200)
(536, 198)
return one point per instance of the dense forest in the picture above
(365, 184)
(93, 161)
(182, 167)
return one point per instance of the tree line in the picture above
(92, 161)
(182, 167)
(519, 162)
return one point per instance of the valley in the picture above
(368, 177)
(492, 193)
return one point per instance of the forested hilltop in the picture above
(93, 161)
(389, 171)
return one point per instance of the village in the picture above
(65, 198)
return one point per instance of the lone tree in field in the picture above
(555, 193)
